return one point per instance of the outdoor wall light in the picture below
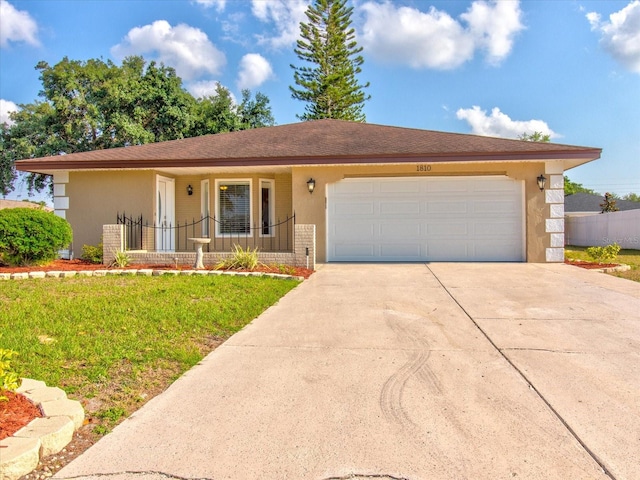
(189, 190)
(542, 180)
(311, 185)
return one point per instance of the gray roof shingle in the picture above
(316, 142)
(588, 202)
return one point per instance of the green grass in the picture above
(626, 256)
(114, 342)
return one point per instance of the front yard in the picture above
(114, 342)
(627, 257)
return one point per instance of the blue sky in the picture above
(500, 68)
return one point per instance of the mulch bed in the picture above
(590, 265)
(79, 265)
(15, 413)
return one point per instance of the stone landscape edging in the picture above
(617, 268)
(43, 436)
(142, 272)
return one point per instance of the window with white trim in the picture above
(233, 199)
(267, 208)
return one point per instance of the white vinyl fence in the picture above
(604, 229)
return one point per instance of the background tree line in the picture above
(95, 105)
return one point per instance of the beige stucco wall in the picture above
(95, 198)
(311, 208)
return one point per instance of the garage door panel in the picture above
(497, 230)
(492, 252)
(495, 207)
(396, 230)
(426, 218)
(447, 207)
(359, 208)
(448, 229)
(356, 251)
(441, 250)
(399, 208)
(448, 186)
(401, 251)
(341, 188)
(354, 231)
(400, 186)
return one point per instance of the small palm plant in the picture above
(121, 259)
(241, 259)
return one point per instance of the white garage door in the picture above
(425, 219)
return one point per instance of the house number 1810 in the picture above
(423, 168)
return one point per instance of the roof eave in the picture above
(570, 159)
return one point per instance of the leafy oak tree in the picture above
(572, 187)
(95, 105)
(329, 84)
(632, 197)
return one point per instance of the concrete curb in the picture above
(42, 436)
(142, 272)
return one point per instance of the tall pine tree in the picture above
(329, 87)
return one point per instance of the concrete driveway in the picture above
(438, 371)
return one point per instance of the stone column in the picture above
(305, 246)
(112, 242)
(554, 225)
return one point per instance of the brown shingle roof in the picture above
(322, 142)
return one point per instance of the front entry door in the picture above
(166, 214)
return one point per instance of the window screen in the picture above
(234, 208)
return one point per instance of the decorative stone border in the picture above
(619, 268)
(42, 436)
(148, 272)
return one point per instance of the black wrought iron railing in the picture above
(142, 235)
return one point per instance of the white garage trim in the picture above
(476, 218)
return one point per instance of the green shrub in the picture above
(241, 259)
(92, 253)
(8, 378)
(31, 237)
(604, 254)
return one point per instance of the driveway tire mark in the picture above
(391, 395)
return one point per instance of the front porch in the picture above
(302, 251)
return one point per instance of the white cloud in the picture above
(494, 25)
(285, 15)
(6, 107)
(620, 36)
(218, 4)
(408, 36)
(185, 48)
(16, 26)
(499, 124)
(206, 88)
(254, 71)
(434, 39)
(203, 88)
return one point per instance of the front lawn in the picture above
(627, 257)
(114, 342)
